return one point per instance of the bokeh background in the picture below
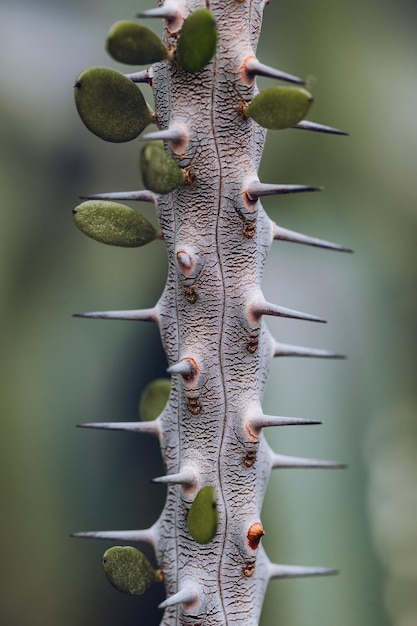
(56, 371)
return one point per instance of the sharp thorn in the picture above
(142, 195)
(284, 461)
(284, 234)
(255, 424)
(186, 595)
(182, 368)
(152, 427)
(266, 308)
(146, 536)
(253, 67)
(175, 134)
(256, 189)
(144, 315)
(186, 477)
(285, 349)
(140, 77)
(319, 128)
(164, 12)
(296, 571)
(185, 367)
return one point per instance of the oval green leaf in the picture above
(160, 173)
(197, 42)
(111, 105)
(154, 398)
(202, 519)
(128, 570)
(279, 107)
(134, 44)
(113, 224)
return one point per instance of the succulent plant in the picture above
(200, 170)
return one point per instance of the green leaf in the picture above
(160, 173)
(111, 105)
(279, 107)
(114, 224)
(197, 42)
(134, 44)
(154, 398)
(202, 517)
(128, 570)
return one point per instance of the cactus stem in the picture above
(261, 307)
(252, 67)
(144, 315)
(285, 349)
(284, 461)
(283, 234)
(187, 595)
(256, 424)
(199, 166)
(142, 195)
(296, 571)
(319, 128)
(152, 427)
(256, 190)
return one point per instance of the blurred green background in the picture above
(57, 371)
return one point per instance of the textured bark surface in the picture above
(217, 243)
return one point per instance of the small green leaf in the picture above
(128, 570)
(160, 173)
(154, 398)
(202, 517)
(114, 224)
(279, 107)
(111, 105)
(197, 42)
(134, 44)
